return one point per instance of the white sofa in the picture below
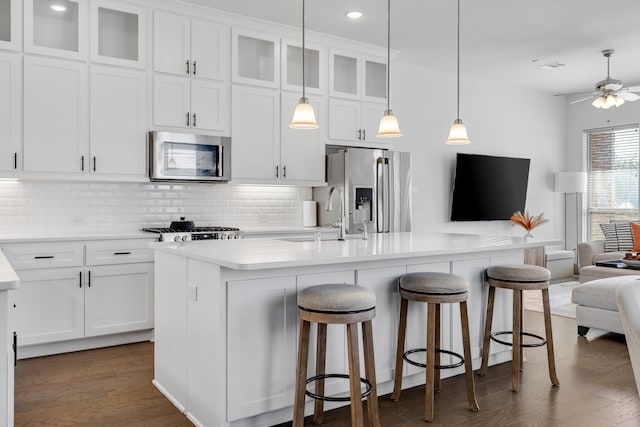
(628, 298)
(591, 252)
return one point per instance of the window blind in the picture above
(612, 158)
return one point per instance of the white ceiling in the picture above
(499, 38)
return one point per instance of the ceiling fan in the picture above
(610, 92)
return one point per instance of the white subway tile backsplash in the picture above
(123, 207)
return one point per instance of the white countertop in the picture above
(8, 277)
(70, 235)
(257, 254)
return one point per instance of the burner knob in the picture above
(185, 238)
(176, 239)
(229, 236)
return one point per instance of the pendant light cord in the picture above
(303, 75)
(458, 69)
(388, 54)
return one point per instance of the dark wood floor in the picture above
(112, 387)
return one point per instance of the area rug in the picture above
(559, 299)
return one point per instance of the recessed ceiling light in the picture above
(354, 14)
(59, 7)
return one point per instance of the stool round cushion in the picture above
(433, 283)
(519, 273)
(337, 298)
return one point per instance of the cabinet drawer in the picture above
(119, 251)
(25, 256)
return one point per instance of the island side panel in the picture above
(170, 348)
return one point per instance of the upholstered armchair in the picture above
(628, 298)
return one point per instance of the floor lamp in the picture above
(568, 183)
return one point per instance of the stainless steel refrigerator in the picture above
(376, 190)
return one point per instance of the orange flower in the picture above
(527, 221)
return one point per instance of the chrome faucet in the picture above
(342, 232)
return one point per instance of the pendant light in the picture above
(303, 116)
(458, 133)
(389, 127)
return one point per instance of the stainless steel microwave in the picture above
(189, 157)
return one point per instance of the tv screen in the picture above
(488, 188)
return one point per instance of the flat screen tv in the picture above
(488, 188)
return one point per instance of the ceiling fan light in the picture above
(599, 102)
(610, 101)
(303, 116)
(389, 127)
(619, 100)
(458, 134)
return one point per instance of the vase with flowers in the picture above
(527, 221)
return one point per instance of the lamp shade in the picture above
(303, 116)
(571, 182)
(458, 134)
(389, 127)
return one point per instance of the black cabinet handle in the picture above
(122, 253)
(43, 257)
(15, 349)
(188, 116)
(188, 72)
(194, 68)
(15, 160)
(194, 120)
(277, 172)
(82, 163)
(364, 134)
(284, 171)
(89, 279)
(359, 134)
(80, 278)
(94, 163)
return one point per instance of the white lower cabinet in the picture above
(49, 305)
(63, 299)
(261, 350)
(384, 282)
(118, 298)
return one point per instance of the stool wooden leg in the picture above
(549, 337)
(487, 331)
(370, 374)
(357, 418)
(321, 356)
(431, 341)
(517, 340)
(468, 367)
(437, 381)
(301, 374)
(402, 331)
(521, 330)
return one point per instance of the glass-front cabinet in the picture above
(356, 76)
(10, 28)
(58, 28)
(256, 58)
(117, 33)
(315, 63)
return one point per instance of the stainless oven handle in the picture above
(379, 196)
(220, 154)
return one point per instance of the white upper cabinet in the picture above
(56, 28)
(256, 58)
(355, 121)
(356, 76)
(190, 47)
(315, 67)
(118, 121)
(10, 118)
(56, 115)
(191, 103)
(301, 150)
(118, 33)
(10, 24)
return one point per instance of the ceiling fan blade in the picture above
(628, 96)
(633, 89)
(580, 100)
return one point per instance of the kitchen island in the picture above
(226, 315)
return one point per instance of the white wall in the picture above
(501, 120)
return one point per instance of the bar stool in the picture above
(337, 304)
(434, 289)
(519, 278)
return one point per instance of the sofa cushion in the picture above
(625, 236)
(635, 230)
(610, 237)
(601, 293)
(607, 256)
